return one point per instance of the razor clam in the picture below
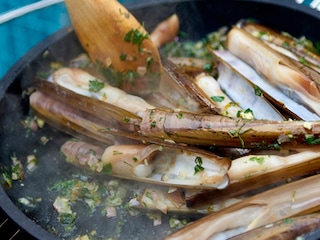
(165, 31)
(69, 119)
(208, 130)
(174, 87)
(260, 171)
(263, 164)
(179, 88)
(264, 208)
(299, 49)
(270, 92)
(85, 84)
(173, 200)
(276, 68)
(169, 127)
(155, 164)
(290, 228)
(226, 106)
(241, 92)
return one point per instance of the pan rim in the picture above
(5, 202)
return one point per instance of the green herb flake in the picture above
(6, 177)
(67, 218)
(126, 119)
(135, 37)
(95, 85)
(310, 139)
(149, 62)
(207, 67)
(233, 133)
(135, 159)
(259, 160)
(286, 44)
(149, 195)
(257, 91)
(245, 114)
(180, 115)
(303, 61)
(153, 124)
(92, 152)
(138, 37)
(217, 98)
(288, 220)
(107, 169)
(198, 167)
(128, 36)
(64, 187)
(123, 56)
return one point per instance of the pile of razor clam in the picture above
(233, 116)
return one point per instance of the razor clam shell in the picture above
(153, 164)
(178, 129)
(275, 67)
(78, 81)
(215, 130)
(69, 119)
(241, 92)
(282, 41)
(264, 208)
(248, 176)
(168, 166)
(270, 91)
(179, 88)
(211, 88)
(88, 104)
(167, 200)
(291, 228)
(82, 124)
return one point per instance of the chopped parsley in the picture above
(303, 61)
(149, 62)
(153, 124)
(95, 85)
(107, 169)
(198, 167)
(257, 91)
(67, 218)
(288, 220)
(208, 67)
(123, 56)
(246, 114)
(180, 115)
(126, 119)
(135, 37)
(310, 139)
(217, 98)
(259, 160)
(286, 44)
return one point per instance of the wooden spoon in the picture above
(112, 36)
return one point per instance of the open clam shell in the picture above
(279, 70)
(153, 164)
(273, 94)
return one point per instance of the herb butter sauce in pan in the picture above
(51, 198)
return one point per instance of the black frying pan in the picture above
(197, 18)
